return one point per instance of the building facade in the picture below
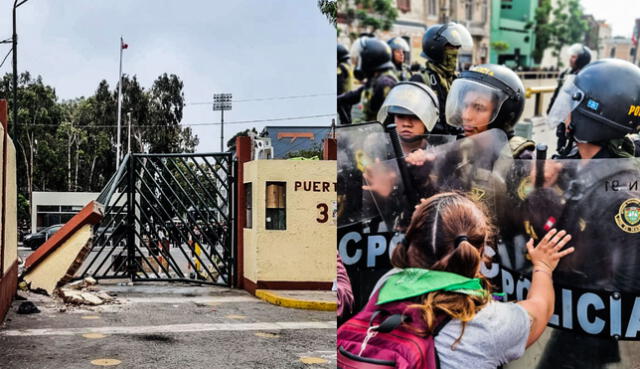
(510, 24)
(415, 16)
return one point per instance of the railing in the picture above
(538, 91)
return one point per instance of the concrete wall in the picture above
(302, 255)
(8, 211)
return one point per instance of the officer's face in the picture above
(398, 56)
(572, 60)
(408, 126)
(476, 113)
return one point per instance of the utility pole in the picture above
(14, 48)
(129, 134)
(122, 47)
(222, 102)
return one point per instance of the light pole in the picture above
(222, 102)
(14, 38)
(118, 145)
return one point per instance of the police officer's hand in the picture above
(548, 252)
(419, 157)
(552, 169)
(379, 179)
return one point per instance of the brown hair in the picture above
(448, 232)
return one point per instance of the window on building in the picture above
(485, 11)
(48, 215)
(404, 5)
(248, 205)
(276, 205)
(433, 10)
(506, 4)
(468, 11)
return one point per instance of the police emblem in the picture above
(524, 188)
(628, 217)
(477, 194)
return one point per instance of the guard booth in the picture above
(596, 320)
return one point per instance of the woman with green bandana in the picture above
(441, 44)
(437, 279)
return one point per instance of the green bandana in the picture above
(450, 60)
(412, 282)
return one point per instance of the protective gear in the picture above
(411, 98)
(375, 55)
(493, 93)
(602, 102)
(376, 90)
(399, 43)
(343, 54)
(583, 56)
(437, 37)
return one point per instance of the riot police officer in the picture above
(599, 108)
(441, 44)
(413, 108)
(376, 70)
(399, 51)
(345, 71)
(489, 96)
(579, 57)
(345, 81)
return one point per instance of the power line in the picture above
(197, 124)
(5, 58)
(266, 98)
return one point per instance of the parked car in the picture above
(34, 240)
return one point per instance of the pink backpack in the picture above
(376, 339)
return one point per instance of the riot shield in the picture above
(597, 287)
(371, 199)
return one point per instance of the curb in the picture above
(274, 299)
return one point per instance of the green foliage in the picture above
(330, 9)
(566, 28)
(314, 152)
(24, 211)
(369, 15)
(70, 145)
(231, 143)
(500, 46)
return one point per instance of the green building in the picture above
(510, 23)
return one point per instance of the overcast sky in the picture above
(619, 14)
(252, 48)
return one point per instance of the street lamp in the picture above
(14, 126)
(222, 102)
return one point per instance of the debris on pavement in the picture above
(27, 307)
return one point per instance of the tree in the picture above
(368, 15)
(542, 30)
(231, 143)
(329, 8)
(500, 46)
(567, 27)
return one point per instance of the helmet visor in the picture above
(399, 43)
(458, 35)
(418, 100)
(472, 104)
(569, 97)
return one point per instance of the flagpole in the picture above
(119, 106)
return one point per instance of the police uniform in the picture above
(374, 93)
(440, 84)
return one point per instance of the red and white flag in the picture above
(123, 45)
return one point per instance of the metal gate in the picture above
(167, 217)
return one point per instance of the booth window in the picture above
(248, 205)
(276, 205)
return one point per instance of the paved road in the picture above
(165, 326)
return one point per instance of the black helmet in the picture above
(343, 53)
(399, 43)
(583, 55)
(440, 35)
(603, 101)
(493, 83)
(375, 55)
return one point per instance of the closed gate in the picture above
(167, 217)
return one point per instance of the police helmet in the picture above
(399, 43)
(343, 53)
(583, 55)
(411, 98)
(602, 101)
(493, 92)
(440, 35)
(374, 55)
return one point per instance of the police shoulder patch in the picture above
(628, 217)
